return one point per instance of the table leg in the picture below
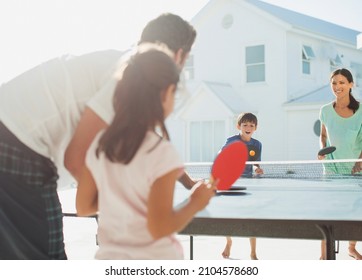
(328, 235)
(191, 247)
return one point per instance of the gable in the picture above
(226, 94)
(212, 100)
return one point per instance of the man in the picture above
(60, 104)
(168, 29)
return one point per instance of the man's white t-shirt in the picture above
(123, 192)
(42, 106)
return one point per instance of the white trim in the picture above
(281, 162)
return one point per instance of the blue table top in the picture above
(286, 199)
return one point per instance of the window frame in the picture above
(189, 67)
(255, 67)
(307, 56)
(357, 73)
(204, 144)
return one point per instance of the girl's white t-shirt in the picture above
(123, 192)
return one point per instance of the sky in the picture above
(33, 31)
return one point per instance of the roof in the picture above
(320, 95)
(229, 97)
(308, 23)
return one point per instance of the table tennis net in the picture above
(304, 169)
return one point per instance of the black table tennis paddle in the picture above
(326, 150)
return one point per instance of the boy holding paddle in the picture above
(247, 124)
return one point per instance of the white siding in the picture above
(219, 56)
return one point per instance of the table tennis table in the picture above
(323, 208)
(284, 205)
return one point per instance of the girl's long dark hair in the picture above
(138, 104)
(353, 103)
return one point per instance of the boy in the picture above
(247, 124)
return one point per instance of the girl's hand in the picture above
(201, 194)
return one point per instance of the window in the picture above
(307, 56)
(308, 52)
(255, 64)
(357, 74)
(189, 68)
(206, 139)
(227, 21)
(335, 63)
(195, 141)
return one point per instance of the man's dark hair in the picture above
(171, 30)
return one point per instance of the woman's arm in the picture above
(358, 165)
(322, 139)
(87, 194)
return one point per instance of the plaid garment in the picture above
(31, 225)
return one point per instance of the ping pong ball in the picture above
(252, 153)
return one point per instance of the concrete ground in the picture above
(80, 241)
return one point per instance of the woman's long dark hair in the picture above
(353, 103)
(138, 104)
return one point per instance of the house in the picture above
(257, 57)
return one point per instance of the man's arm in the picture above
(186, 180)
(87, 194)
(88, 127)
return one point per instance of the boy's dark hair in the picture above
(247, 117)
(171, 30)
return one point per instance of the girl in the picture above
(132, 168)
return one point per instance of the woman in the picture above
(341, 126)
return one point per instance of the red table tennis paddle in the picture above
(326, 150)
(229, 165)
